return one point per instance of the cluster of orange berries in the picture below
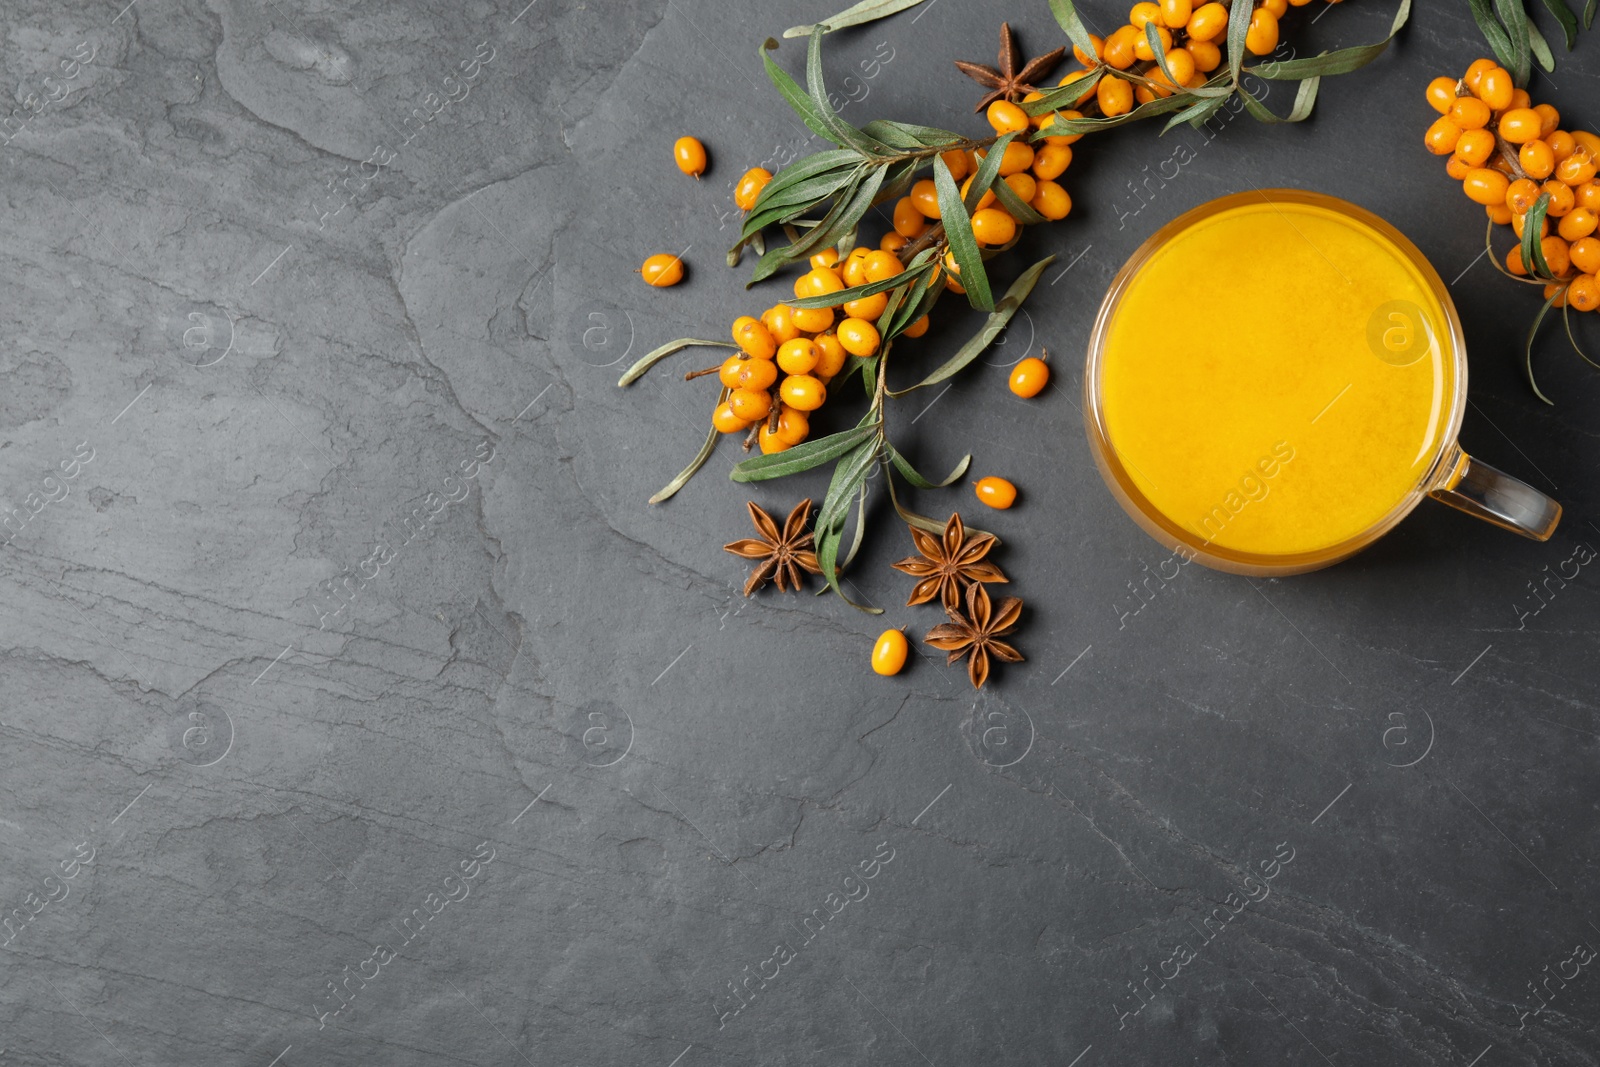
(788, 355)
(1507, 152)
(1191, 37)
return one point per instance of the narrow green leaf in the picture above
(805, 168)
(1068, 95)
(1305, 99)
(1499, 43)
(1196, 114)
(922, 522)
(1152, 37)
(1527, 347)
(915, 269)
(656, 355)
(797, 199)
(958, 230)
(1238, 26)
(848, 207)
(795, 96)
(695, 464)
(802, 457)
(1515, 20)
(1540, 48)
(1532, 246)
(855, 15)
(914, 310)
(1067, 15)
(991, 327)
(910, 136)
(911, 475)
(843, 133)
(1020, 209)
(1572, 338)
(1569, 21)
(855, 542)
(1589, 13)
(848, 475)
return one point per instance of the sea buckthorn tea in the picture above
(1277, 378)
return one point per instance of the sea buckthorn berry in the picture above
(1181, 63)
(1498, 214)
(1585, 255)
(1588, 195)
(1469, 113)
(985, 200)
(959, 161)
(1549, 119)
(1079, 75)
(950, 284)
(889, 653)
(950, 264)
(1576, 168)
(748, 191)
(753, 337)
(881, 265)
(1536, 158)
(920, 327)
(1007, 117)
(1051, 201)
(1175, 13)
(1519, 125)
(1262, 37)
(1474, 75)
(728, 373)
(1023, 184)
(1577, 224)
(771, 443)
(867, 307)
(662, 270)
(812, 320)
(690, 156)
(1118, 50)
(1207, 22)
(1518, 221)
(819, 281)
(925, 198)
(1442, 136)
(908, 221)
(1514, 261)
(1556, 294)
(1029, 377)
(750, 404)
(759, 374)
(1485, 186)
(726, 421)
(1061, 138)
(779, 321)
(1029, 98)
(1557, 255)
(1207, 56)
(993, 226)
(1520, 98)
(802, 392)
(1097, 43)
(828, 257)
(1142, 13)
(854, 271)
(1141, 47)
(996, 492)
(892, 242)
(1441, 94)
(1521, 195)
(1457, 168)
(830, 355)
(1588, 141)
(1583, 293)
(1051, 161)
(858, 336)
(1277, 7)
(1115, 96)
(793, 425)
(1562, 198)
(1143, 94)
(1562, 144)
(1475, 146)
(1495, 88)
(1019, 157)
(798, 356)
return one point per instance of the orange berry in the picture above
(881, 265)
(750, 404)
(1577, 224)
(793, 425)
(1115, 96)
(889, 653)
(1519, 125)
(1441, 94)
(779, 321)
(771, 443)
(1588, 195)
(859, 337)
(1207, 22)
(1181, 63)
(1007, 117)
(1141, 46)
(1029, 377)
(1176, 13)
(1558, 292)
(1583, 293)
(996, 492)
(1457, 168)
(753, 337)
(1549, 119)
(798, 356)
(728, 374)
(1485, 186)
(908, 221)
(867, 307)
(1277, 7)
(1018, 158)
(1207, 56)
(1262, 37)
(662, 270)
(819, 281)
(1051, 201)
(1562, 144)
(1576, 168)
(1024, 184)
(1562, 198)
(959, 162)
(1063, 138)
(759, 374)
(1495, 88)
(1588, 141)
(854, 270)
(1475, 146)
(812, 320)
(1521, 195)
(1051, 161)
(920, 327)
(1087, 60)
(1518, 222)
(892, 242)
(1585, 255)
(985, 200)
(802, 392)
(830, 355)
(1474, 75)
(1118, 50)
(828, 257)
(1142, 13)
(1441, 137)
(1536, 158)
(748, 191)
(1498, 214)
(1469, 113)
(1520, 98)
(993, 226)
(1514, 261)
(726, 421)
(690, 156)
(1557, 256)
(925, 197)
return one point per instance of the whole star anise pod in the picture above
(1010, 81)
(947, 567)
(784, 554)
(976, 634)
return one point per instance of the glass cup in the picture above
(1276, 378)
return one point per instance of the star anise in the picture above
(783, 555)
(947, 567)
(976, 634)
(1010, 81)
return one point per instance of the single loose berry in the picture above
(798, 356)
(889, 653)
(802, 392)
(662, 270)
(859, 337)
(812, 320)
(750, 404)
(1029, 377)
(753, 337)
(690, 155)
(996, 492)
(748, 190)
(1051, 201)
(726, 421)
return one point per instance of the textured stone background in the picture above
(280, 316)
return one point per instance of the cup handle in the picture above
(1493, 495)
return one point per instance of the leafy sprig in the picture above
(1516, 40)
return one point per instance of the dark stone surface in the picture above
(251, 792)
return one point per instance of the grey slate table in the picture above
(539, 786)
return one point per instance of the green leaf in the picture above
(695, 464)
(958, 231)
(1196, 114)
(1589, 13)
(991, 327)
(802, 169)
(1159, 106)
(1067, 15)
(848, 475)
(1238, 26)
(988, 168)
(922, 522)
(1541, 48)
(795, 96)
(1569, 21)
(910, 474)
(848, 208)
(1532, 246)
(914, 309)
(855, 542)
(798, 199)
(855, 15)
(1515, 20)
(1069, 95)
(1152, 37)
(802, 457)
(1020, 209)
(911, 136)
(916, 268)
(656, 355)
(842, 132)
(1499, 43)
(1342, 61)
(1305, 98)
(1527, 347)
